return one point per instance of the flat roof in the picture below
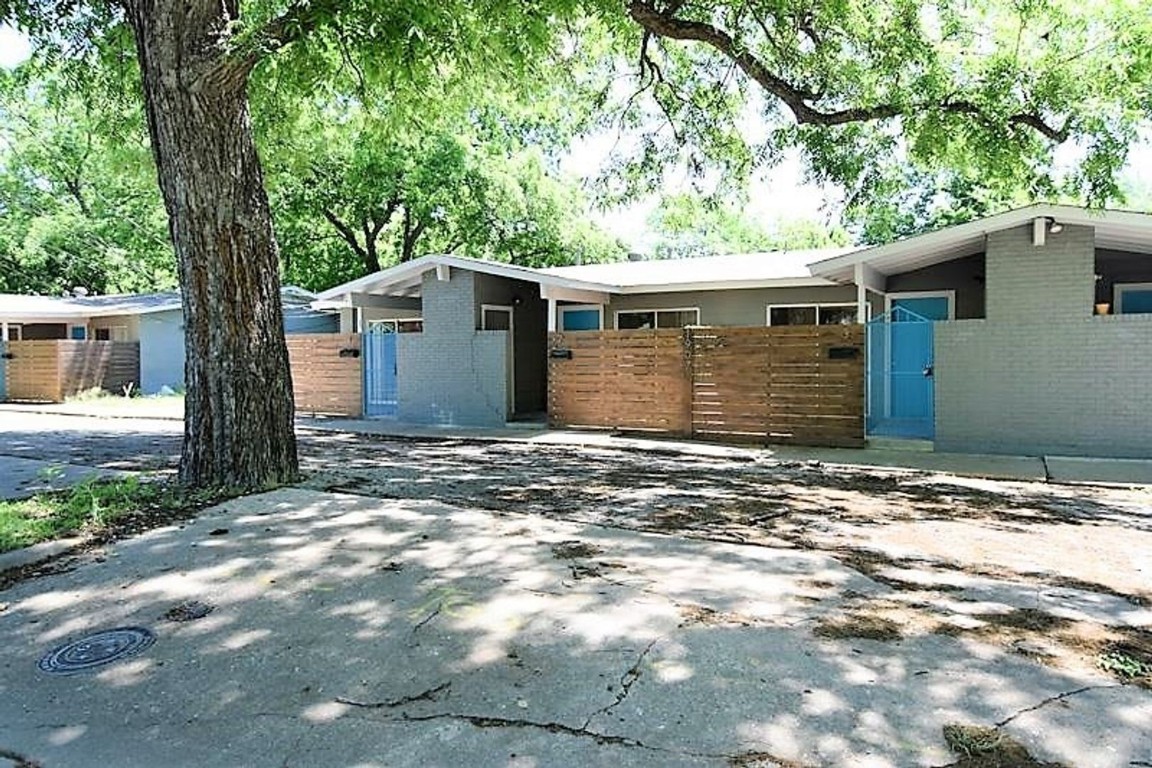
(16, 306)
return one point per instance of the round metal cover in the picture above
(96, 650)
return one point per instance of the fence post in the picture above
(688, 344)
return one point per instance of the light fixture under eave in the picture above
(1054, 227)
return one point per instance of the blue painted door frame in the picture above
(901, 383)
(380, 386)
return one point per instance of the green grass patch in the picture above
(91, 507)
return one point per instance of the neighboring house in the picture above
(1026, 332)
(154, 320)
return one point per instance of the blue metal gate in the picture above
(380, 396)
(901, 391)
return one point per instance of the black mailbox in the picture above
(349, 352)
(843, 353)
(560, 354)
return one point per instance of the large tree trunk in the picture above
(238, 423)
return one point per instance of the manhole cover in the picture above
(96, 650)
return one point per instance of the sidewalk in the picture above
(108, 408)
(1058, 469)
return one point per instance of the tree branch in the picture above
(665, 24)
(346, 233)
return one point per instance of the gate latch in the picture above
(929, 370)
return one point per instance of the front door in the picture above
(901, 383)
(380, 388)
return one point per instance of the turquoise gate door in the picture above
(380, 390)
(901, 388)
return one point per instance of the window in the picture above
(812, 314)
(78, 332)
(637, 319)
(14, 333)
(111, 333)
(1133, 298)
(397, 325)
(583, 317)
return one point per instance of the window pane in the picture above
(497, 320)
(793, 315)
(1135, 300)
(103, 334)
(630, 321)
(675, 319)
(581, 320)
(409, 326)
(837, 315)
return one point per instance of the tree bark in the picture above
(238, 423)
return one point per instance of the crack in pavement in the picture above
(627, 680)
(1054, 699)
(432, 694)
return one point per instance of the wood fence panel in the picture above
(779, 384)
(33, 371)
(767, 385)
(106, 365)
(327, 377)
(51, 370)
(630, 380)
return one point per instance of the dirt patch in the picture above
(573, 550)
(702, 615)
(981, 747)
(861, 626)
(1028, 619)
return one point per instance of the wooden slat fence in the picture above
(635, 380)
(326, 373)
(52, 370)
(794, 384)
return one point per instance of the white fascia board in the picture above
(943, 237)
(728, 285)
(384, 276)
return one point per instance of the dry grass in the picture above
(981, 747)
(862, 626)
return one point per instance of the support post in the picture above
(553, 307)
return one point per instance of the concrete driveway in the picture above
(354, 631)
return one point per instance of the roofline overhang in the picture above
(842, 268)
(424, 264)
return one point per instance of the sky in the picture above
(14, 47)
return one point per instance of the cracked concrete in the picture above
(313, 656)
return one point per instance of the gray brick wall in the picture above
(1076, 385)
(1028, 283)
(452, 374)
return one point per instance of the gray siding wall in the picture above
(964, 276)
(452, 374)
(1029, 284)
(161, 350)
(3, 371)
(530, 332)
(1071, 385)
(744, 307)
